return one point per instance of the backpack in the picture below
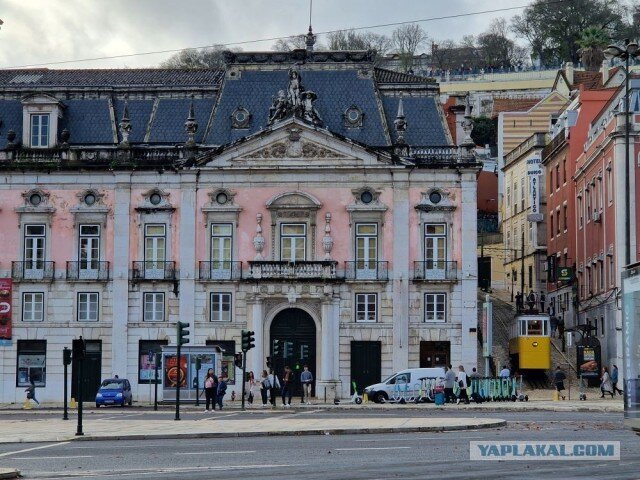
(266, 383)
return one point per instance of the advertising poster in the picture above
(5, 310)
(173, 371)
(147, 368)
(589, 361)
(207, 363)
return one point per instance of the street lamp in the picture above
(630, 50)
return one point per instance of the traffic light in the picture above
(198, 363)
(276, 348)
(304, 351)
(247, 340)
(269, 363)
(182, 333)
(66, 356)
(79, 349)
(238, 360)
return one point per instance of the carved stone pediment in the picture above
(295, 149)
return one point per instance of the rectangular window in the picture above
(601, 275)
(89, 247)
(293, 242)
(551, 226)
(508, 198)
(557, 177)
(435, 246)
(366, 246)
(366, 307)
(32, 307)
(609, 185)
(589, 288)
(611, 271)
(88, 306)
(153, 307)
(221, 241)
(531, 277)
(147, 349)
(220, 307)
(580, 212)
(154, 246)
(522, 193)
(558, 222)
(34, 246)
(39, 131)
(600, 193)
(564, 170)
(32, 363)
(589, 211)
(515, 197)
(435, 307)
(565, 219)
(550, 181)
(602, 326)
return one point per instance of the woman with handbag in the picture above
(265, 386)
(209, 389)
(250, 387)
(463, 383)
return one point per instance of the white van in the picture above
(411, 379)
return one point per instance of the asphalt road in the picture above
(407, 456)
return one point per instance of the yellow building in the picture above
(523, 225)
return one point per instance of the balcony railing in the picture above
(220, 270)
(33, 270)
(154, 270)
(88, 270)
(320, 270)
(435, 270)
(367, 270)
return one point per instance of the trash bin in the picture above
(439, 398)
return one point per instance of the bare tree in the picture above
(290, 43)
(350, 40)
(191, 58)
(406, 41)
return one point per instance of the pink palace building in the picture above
(308, 196)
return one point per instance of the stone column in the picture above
(256, 360)
(121, 262)
(400, 271)
(327, 382)
(187, 249)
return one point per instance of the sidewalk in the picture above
(56, 430)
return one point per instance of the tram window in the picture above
(545, 328)
(523, 327)
(534, 327)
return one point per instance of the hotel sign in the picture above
(534, 172)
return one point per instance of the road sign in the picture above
(564, 274)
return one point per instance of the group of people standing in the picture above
(268, 383)
(463, 381)
(214, 390)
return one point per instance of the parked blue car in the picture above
(114, 391)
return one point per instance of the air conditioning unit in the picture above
(597, 217)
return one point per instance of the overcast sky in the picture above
(41, 31)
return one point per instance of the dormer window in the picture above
(40, 130)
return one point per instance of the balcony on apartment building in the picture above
(285, 270)
(88, 270)
(32, 270)
(153, 271)
(220, 270)
(435, 271)
(367, 271)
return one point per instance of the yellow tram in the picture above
(530, 343)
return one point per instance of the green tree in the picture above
(484, 131)
(553, 29)
(592, 41)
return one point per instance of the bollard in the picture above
(556, 396)
(365, 398)
(27, 405)
(73, 403)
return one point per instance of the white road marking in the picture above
(53, 458)
(214, 452)
(139, 472)
(6, 454)
(386, 440)
(370, 448)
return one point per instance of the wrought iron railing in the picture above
(88, 270)
(447, 154)
(435, 270)
(32, 270)
(367, 270)
(322, 270)
(150, 270)
(220, 270)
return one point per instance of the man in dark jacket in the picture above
(288, 378)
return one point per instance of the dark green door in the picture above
(91, 372)
(293, 333)
(366, 366)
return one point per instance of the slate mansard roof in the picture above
(92, 101)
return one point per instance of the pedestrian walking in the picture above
(31, 391)
(614, 380)
(554, 325)
(248, 387)
(605, 383)
(449, 383)
(543, 300)
(288, 379)
(558, 380)
(505, 372)
(222, 389)
(463, 383)
(306, 378)
(265, 386)
(209, 390)
(274, 384)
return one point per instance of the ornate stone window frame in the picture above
(349, 120)
(41, 104)
(162, 213)
(241, 123)
(441, 212)
(294, 207)
(215, 212)
(40, 214)
(148, 207)
(372, 212)
(90, 214)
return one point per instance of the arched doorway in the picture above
(294, 332)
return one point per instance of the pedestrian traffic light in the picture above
(276, 348)
(247, 340)
(198, 363)
(182, 333)
(304, 351)
(238, 360)
(66, 356)
(269, 364)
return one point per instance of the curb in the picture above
(7, 473)
(318, 431)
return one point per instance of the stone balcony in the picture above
(284, 270)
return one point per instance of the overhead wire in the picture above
(271, 39)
